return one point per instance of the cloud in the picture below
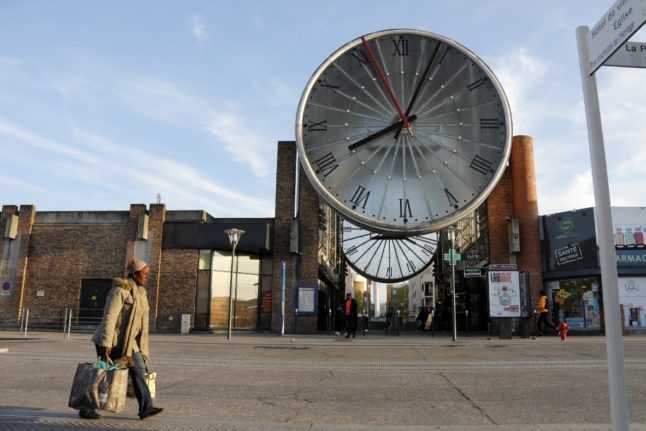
(198, 26)
(103, 165)
(243, 144)
(168, 103)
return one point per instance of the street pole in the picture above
(607, 254)
(451, 251)
(234, 237)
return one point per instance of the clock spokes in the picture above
(386, 84)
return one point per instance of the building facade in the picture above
(58, 261)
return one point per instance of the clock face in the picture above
(403, 131)
(384, 257)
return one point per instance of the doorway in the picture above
(94, 292)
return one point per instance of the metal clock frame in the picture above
(443, 147)
(386, 258)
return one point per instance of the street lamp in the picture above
(234, 237)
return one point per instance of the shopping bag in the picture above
(99, 386)
(150, 381)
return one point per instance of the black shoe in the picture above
(150, 413)
(347, 336)
(89, 414)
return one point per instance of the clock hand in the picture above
(384, 81)
(421, 83)
(385, 130)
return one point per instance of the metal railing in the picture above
(81, 320)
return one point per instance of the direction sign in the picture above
(452, 254)
(623, 19)
(631, 54)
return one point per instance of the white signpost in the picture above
(595, 46)
(631, 54)
(620, 22)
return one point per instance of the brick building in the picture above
(54, 261)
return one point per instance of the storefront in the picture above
(571, 269)
(629, 230)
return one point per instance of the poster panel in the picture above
(504, 294)
(632, 298)
(306, 301)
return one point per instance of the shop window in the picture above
(577, 302)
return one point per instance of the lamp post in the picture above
(234, 236)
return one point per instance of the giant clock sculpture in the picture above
(384, 257)
(403, 131)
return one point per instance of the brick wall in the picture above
(308, 264)
(284, 208)
(500, 204)
(14, 255)
(526, 210)
(177, 288)
(62, 255)
(302, 269)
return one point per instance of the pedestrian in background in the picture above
(544, 310)
(421, 318)
(350, 313)
(122, 335)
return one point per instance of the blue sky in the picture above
(104, 104)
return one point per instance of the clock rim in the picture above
(386, 226)
(380, 279)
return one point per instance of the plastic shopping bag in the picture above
(99, 386)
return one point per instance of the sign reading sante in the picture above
(623, 19)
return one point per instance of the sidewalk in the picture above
(320, 382)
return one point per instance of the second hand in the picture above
(383, 79)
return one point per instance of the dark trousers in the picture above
(542, 322)
(138, 377)
(350, 326)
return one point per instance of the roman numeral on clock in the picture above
(452, 200)
(401, 47)
(480, 164)
(352, 250)
(360, 197)
(475, 84)
(359, 55)
(320, 126)
(404, 208)
(323, 83)
(489, 123)
(326, 164)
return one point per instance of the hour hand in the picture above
(380, 133)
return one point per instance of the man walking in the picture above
(544, 310)
(350, 313)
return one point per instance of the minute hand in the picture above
(420, 85)
(382, 132)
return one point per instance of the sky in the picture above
(105, 104)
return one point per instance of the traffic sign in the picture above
(620, 22)
(631, 54)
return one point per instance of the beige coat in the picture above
(125, 319)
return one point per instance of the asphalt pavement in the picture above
(374, 382)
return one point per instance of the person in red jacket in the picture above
(350, 314)
(544, 310)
